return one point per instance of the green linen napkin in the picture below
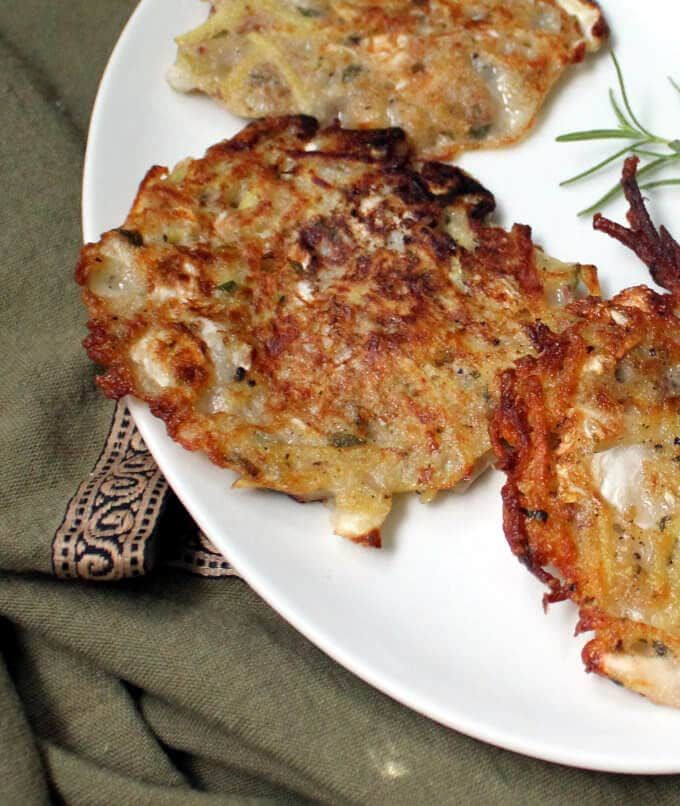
(169, 687)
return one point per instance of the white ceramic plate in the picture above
(443, 619)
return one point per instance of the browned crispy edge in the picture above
(600, 29)
(523, 442)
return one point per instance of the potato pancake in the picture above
(314, 312)
(453, 74)
(589, 436)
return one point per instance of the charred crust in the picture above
(371, 539)
(579, 53)
(553, 348)
(510, 253)
(410, 187)
(132, 236)
(601, 28)
(442, 244)
(527, 272)
(516, 533)
(171, 268)
(514, 524)
(389, 146)
(197, 253)
(299, 127)
(656, 249)
(447, 183)
(514, 440)
(335, 236)
(542, 336)
(510, 438)
(482, 206)
(191, 374)
(509, 424)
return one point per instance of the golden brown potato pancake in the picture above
(589, 436)
(453, 74)
(311, 310)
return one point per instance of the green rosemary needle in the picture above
(638, 136)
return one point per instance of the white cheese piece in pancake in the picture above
(622, 475)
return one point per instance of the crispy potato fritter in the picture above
(589, 436)
(317, 314)
(453, 74)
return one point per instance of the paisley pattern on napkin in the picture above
(116, 523)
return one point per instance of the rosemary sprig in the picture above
(638, 136)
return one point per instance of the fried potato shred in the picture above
(320, 314)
